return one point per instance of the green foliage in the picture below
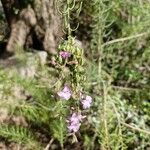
(59, 130)
(69, 10)
(117, 76)
(119, 85)
(20, 135)
(40, 110)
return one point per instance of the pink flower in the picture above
(75, 118)
(64, 54)
(74, 122)
(86, 103)
(74, 127)
(65, 93)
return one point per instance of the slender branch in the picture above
(135, 128)
(49, 144)
(130, 89)
(125, 88)
(125, 39)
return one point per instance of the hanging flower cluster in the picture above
(75, 122)
(76, 118)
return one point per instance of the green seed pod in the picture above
(59, 47)
(79, 52)
(80, 69)
(67, 48)
(78, 78)
(80, 61)
(60, 60)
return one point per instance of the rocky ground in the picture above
(26, 66)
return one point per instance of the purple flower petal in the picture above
(86, 103)
(66, 89)
(65, 93)
(74, 122)
(74, 118)
(89, 99)
(65, 54)
(74, 127)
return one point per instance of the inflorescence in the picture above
(84, 101)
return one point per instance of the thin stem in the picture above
(135, 128)
(124, 39)
(99, 25)
(68, 17)
(125, 88)
(49, 144)
(99, 42)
